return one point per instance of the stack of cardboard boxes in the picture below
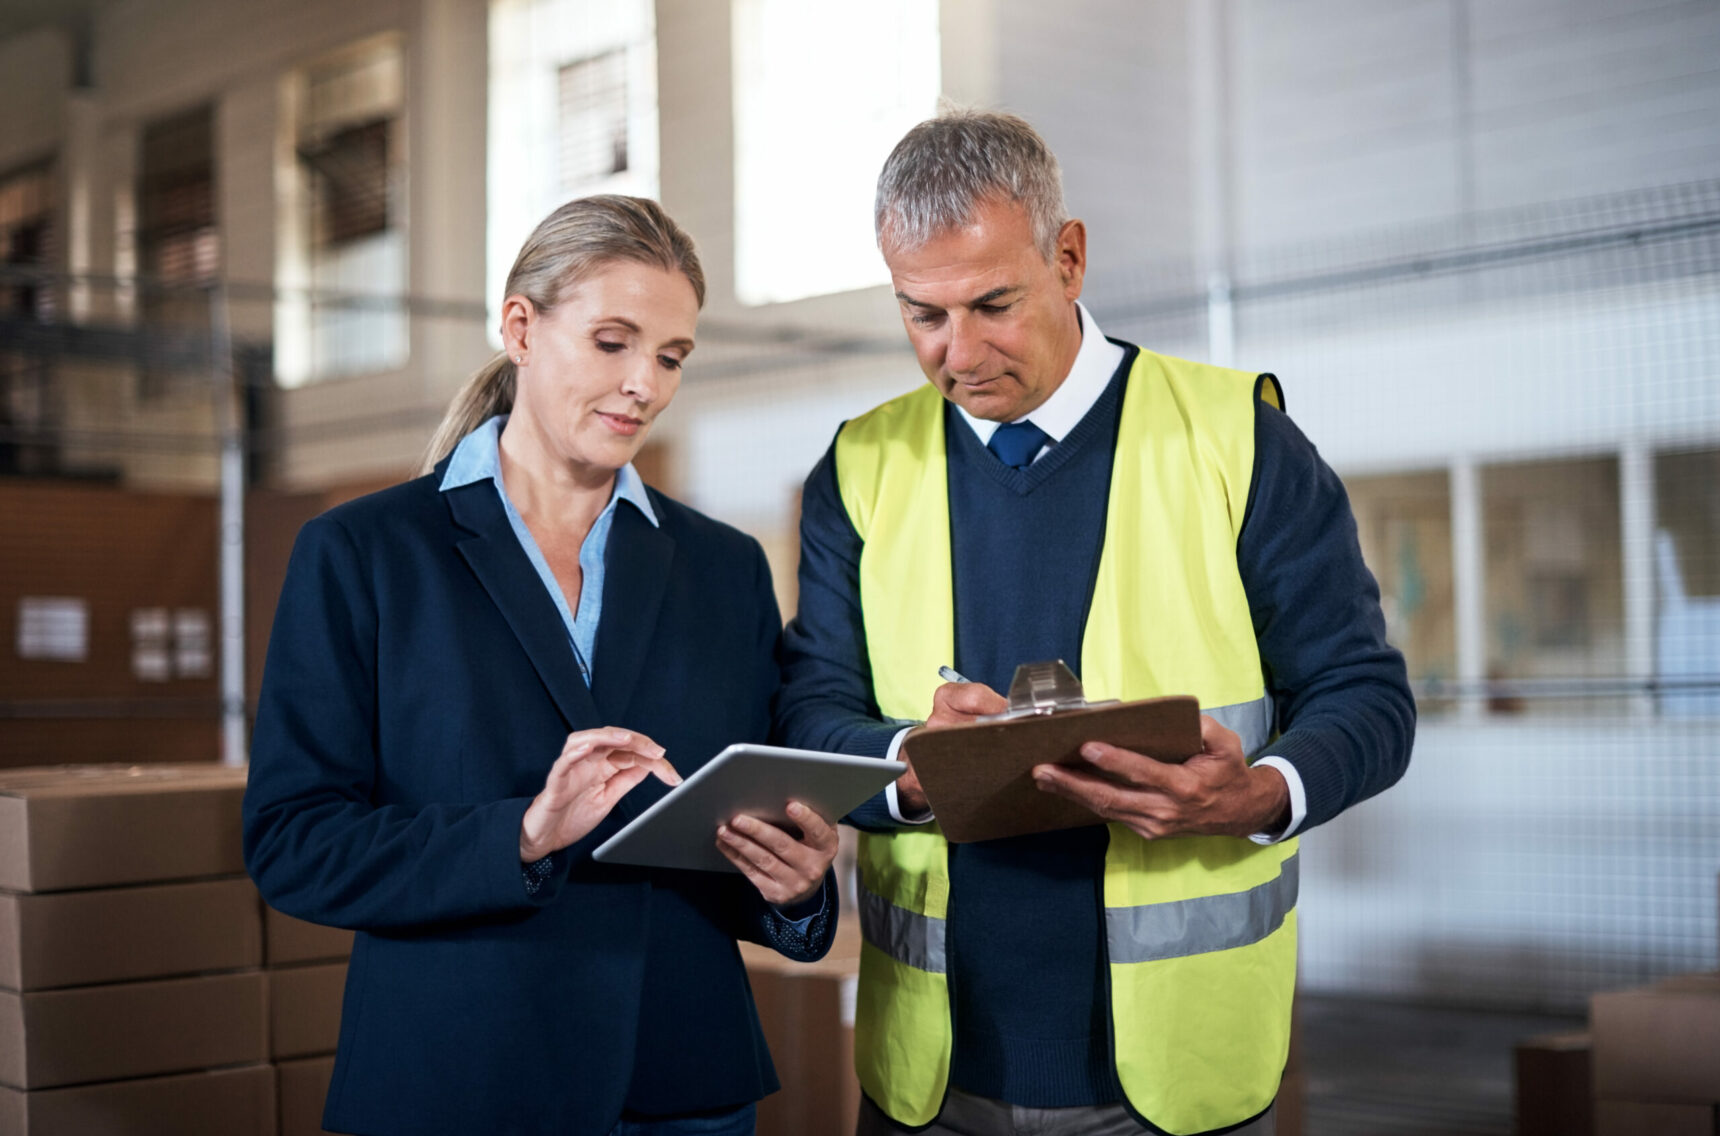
(1293, 1089)
(131, 998)
(1648, 1065)
(807, 1011)
(307, 976)
(1657, 1058)
(1555, 1085)
(133, 994)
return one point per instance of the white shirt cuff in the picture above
(890, 789)
(1298, 800)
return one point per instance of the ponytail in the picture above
(489, 392)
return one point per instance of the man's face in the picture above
(993, 323)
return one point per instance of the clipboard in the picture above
(978, 776)
(679, 830)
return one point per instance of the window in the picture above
(350, 171)
(342, 266)
(822, 93)
(27, 240)
(27, 385)
(1687, 572)
(573, 112)
(1554, 577)
(593, 132)
(178, 243)
(1404, 522)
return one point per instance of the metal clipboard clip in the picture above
(1044, 688)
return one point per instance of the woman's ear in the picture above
(518, 319)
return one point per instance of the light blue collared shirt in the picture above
(478, 457)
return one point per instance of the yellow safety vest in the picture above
(1200, 932)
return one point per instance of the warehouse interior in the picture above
(251, 248)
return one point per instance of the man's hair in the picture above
(945, 166)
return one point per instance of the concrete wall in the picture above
(1358, 114)
(1203, 134)
(1521, 864)
(1109, 83)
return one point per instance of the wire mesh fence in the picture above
(1523, 405)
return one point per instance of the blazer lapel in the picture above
(636, 574)
(501, 565)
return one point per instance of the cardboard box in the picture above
(304, 1009)
(1287, 1109)
(80, 938)
(807, 1012)
(87, 826)
(287, 940)
(302, 1089)
(1293, 1088)
(131, 1029)
(222, 1102)
(1659, 1043)
(1641, 1118)
(1554, 1085)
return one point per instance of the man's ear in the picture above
(1070, 258)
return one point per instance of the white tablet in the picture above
(680, 831)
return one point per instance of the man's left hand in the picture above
(1214, 793)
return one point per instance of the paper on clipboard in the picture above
(978, 776)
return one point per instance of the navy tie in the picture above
(1016, 443)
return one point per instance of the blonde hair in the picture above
(566, 247)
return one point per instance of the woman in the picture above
(477, 677)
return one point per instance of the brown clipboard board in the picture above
(978, 776)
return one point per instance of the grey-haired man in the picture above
(1162, 527)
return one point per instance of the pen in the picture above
(950, 674)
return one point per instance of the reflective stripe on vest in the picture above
(1144, 933)
(1200, 931)
(908, 937)
(1182, 927)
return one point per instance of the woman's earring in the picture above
(518, 359)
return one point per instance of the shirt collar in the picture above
(1089, 375)
(478, 457)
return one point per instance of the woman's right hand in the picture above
(595, 770)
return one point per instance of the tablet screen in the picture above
(680, 830)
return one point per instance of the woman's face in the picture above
(603, 363)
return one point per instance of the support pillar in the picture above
(1468, 575)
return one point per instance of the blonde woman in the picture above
(475, 678)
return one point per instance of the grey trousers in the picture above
(967, 1115)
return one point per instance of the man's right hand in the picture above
(595, 770)
(952, 705)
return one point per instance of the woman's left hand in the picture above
(784, 870)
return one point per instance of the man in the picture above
(1162, 527)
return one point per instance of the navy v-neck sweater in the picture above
(1030, 1021)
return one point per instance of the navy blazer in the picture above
(419, 686)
